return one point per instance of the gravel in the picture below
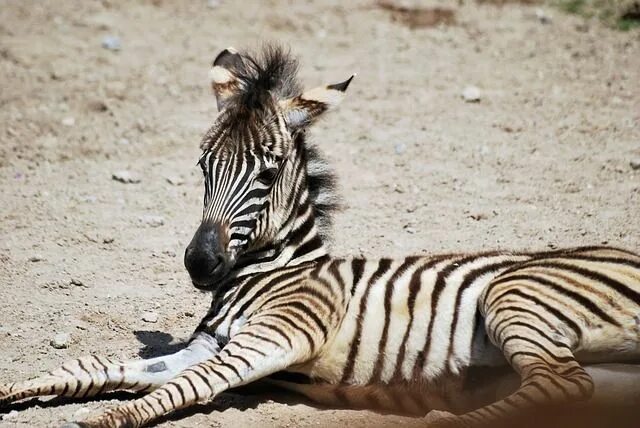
(125, 176)
(61, 340)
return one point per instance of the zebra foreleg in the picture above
(90, 376)
(249, 356)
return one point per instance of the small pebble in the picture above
(123, 141)
(409, 229)
(150, 317)
(125, 177)
(76, 282)
(635, 164)
(98, 106)
(175, 180)
(68, 121)
(543, 17)
(61, 341)
(478, 216)
(107, 240)
(152, 220)
(36, 258)
(111, 42)
(81, 325)
(400, 148)
(169, 253)
(212, 4)
(471, 94)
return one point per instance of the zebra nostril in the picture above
(188, 258)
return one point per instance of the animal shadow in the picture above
(157, 343)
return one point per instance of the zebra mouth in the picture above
(214, 277)
(203, 287)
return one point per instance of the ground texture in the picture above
(543, 160)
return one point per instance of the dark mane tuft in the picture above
(321, 182)
(270, 73)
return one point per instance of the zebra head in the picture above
(255, 163)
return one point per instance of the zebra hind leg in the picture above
(91, 376)
(541, 354)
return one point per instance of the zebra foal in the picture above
(404, 335)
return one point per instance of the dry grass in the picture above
(621, 14)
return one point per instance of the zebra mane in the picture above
(270, 73)
(321, 183)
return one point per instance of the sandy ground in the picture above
(543, 160)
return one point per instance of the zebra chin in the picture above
(214, 278)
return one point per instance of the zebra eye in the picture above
(267, 176)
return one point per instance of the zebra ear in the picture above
(302, 110)
(224, 80)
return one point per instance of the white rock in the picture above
(68, 121)
(150, 317)
(61, 340)
(635, 164)
(125, 176)
(543, 17)
(111, 42)
(400, 148)
(471, 94)
(151, 220)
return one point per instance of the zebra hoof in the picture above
(4, 395)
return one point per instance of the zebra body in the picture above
(432, 327)
(408, 335)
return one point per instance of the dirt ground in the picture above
(543, 160)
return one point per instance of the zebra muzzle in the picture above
(206, 257)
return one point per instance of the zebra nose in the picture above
(205, 258)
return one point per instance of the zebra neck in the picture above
(301, 244)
